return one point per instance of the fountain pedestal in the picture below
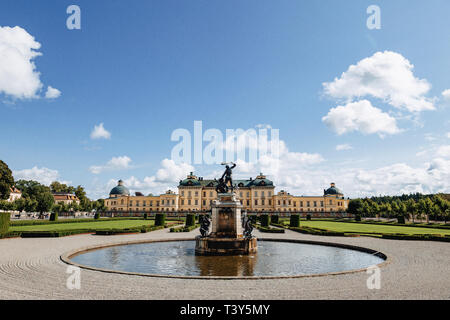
(226, 237)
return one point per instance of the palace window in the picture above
(240, 194)
(189, 193)
(321, 203)
(196, 193)
(204, 202)
(248, 202)
(144, 203)
(182, 202)
(269, 193)
(196, 202)
(262, 202)
(204, 194)
(301, 203)
(151, 203)
(248, 194)
(256, 202)
(173, 201)
(210, 194)
(256, 193)
(270, 202)
(182, 193)
(331, 201)
(308, 204)
(189, 202)
(131, 203)
(262, 193)
(315, 203)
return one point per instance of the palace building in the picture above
(196, 194)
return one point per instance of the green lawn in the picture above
(97, 225)
(370, 228)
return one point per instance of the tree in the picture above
(45, 202)
(20, 204)
(355, 207)
(6, 181)
(411, 207)
(424, 206)
(56, 186)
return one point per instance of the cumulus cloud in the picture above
(99, 132)
(52, 93)
(387, 76)
(342, 147)
(443, 151)
(360, 116)
(42, 175)
(19, 78)
(446, 94)
(167, 177)
(116, 163)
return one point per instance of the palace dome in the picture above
(333, 190)
(191, 180)
(120, 190)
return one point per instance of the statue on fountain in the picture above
(222, 186)
(204, 227)
(229, 234)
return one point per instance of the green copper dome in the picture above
(332, 190)
(120, 190)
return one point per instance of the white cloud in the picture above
(52, 93)
(385, 75)
(172, 172)
(360, 116)
(19, 78)
(448, 135)
(42, 175)
(116, 163)
(446, 94)
(99, 132)
(443, 151)
(342, 147)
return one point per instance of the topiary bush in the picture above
(274, 218)
(308, 217)
(4, 222)
(294, 221)
(53, 216)
(145, 216)
(358, 217)
(265, 220)
(96, 215)
(401, 220)
(160, 219)
(190, 219)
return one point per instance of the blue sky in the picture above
(146, 68)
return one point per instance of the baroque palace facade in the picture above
(196, 194)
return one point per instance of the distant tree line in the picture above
(412, 206)
(39, 198)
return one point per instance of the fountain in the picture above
(230, 234)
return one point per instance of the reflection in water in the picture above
(226, 265)
(272, 259)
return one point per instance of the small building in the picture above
(65, 198)
(14, 194)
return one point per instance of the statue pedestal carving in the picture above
(226, 237)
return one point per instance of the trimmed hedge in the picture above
(274, 218)
(270, 230)
(52, 234)
(294, 221)
(308, 217)
(144, 229)
(429, 237)
(190, 220)
(4, 222)
(401, 220)
(265, 220)
(53, 216)
(316, 231)
(184, 228)
(160, 219)
(358, 218)
(97, 216)
(145, 216)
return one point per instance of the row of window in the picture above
(212, 194)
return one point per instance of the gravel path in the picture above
(32, 269)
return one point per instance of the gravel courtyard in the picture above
(32, 269)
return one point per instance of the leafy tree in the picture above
(424, 206)
(45, 202)
(20, 204)
(411, 207)
(6, 181)
(56, 186)
(355, 207)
